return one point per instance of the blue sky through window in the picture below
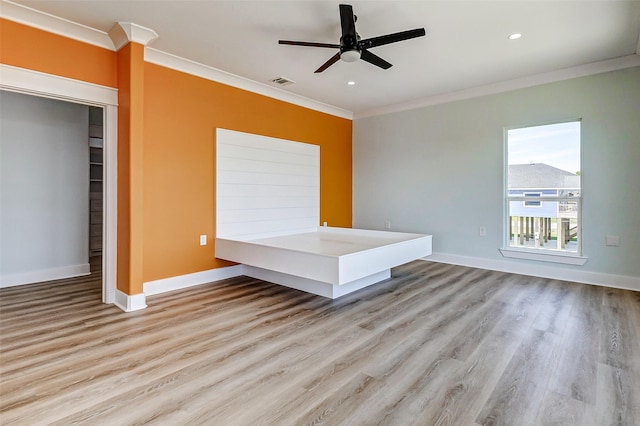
(557, 145)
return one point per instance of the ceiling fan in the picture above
(352, 47)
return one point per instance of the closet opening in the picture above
(96, 187)
(79, 99)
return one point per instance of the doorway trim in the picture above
(36, 83)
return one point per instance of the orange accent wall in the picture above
(181, 115)
(166, 188)
(27, 47)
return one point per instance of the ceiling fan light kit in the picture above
(352, 47)
(350, 55)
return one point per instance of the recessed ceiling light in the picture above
(351, 83)
(514, 36)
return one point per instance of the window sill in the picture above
(544, 256)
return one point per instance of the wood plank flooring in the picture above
(436, 344)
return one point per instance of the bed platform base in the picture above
(330, 262)
(319, 288)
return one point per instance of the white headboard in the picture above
(265, 186)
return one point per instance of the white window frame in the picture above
(540, 254)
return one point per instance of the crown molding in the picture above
(509, 85)
(194, 68)
(53, 24)
(124, 32)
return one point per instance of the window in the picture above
(543, 191)
(530, 203)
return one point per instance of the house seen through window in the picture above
(543, 193)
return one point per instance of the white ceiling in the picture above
(466, 44)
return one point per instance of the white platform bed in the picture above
(267, 216)
(330, 262)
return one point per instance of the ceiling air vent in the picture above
(282, 81)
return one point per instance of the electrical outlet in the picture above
(612, 240)
(203, 240)
(482, 231)
(387, 224)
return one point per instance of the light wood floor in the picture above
(435, 345)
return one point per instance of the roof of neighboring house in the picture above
(541, 176)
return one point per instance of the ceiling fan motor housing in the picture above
(349, 51)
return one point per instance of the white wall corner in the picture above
(110, 189)
(189, 280)
(108, 296)
(124, 32)
(131, 303)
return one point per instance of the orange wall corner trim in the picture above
(130, 168)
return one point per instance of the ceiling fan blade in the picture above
(391, 38)
(376, 60)
(347, 20)
(309, 43)
(335, 58)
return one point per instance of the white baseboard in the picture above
(189, 280)
(10, 280)
(537, 270)
(130, 303)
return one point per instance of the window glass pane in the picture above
(544, 233)
(543, 165)
(556, 146)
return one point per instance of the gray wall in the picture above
(439, 169)
(44, 184)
